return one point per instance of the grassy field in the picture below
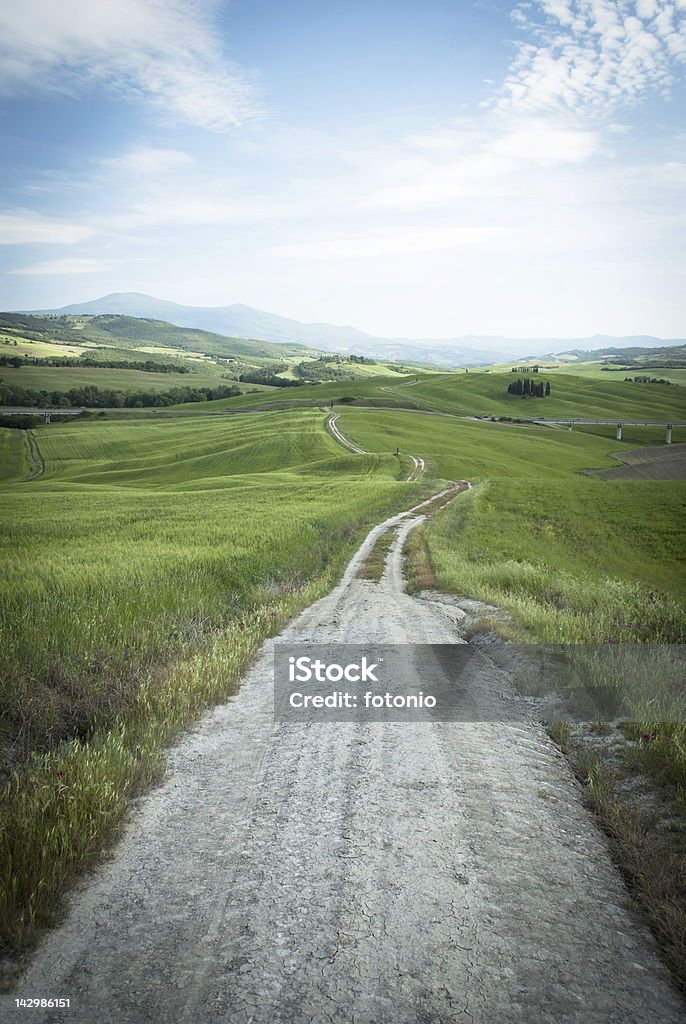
(15, 345)
(573, 558)
(458, 449)
(155, 552)
(141, 571)
(14, 463)
(485, 394)
(595, 370)
(62, 378)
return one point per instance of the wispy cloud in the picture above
(476, 160)
(591, 53)
(66, 266)
(148, 160)
(387, 244)
(164, 51)
(24, 227)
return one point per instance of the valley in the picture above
(153, 553)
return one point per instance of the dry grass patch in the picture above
(643, 813)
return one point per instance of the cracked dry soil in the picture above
(356, 873)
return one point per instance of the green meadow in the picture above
(156, 550)
(63, 378)
(141, 572)
(14, 461)
(573, 558)
(140, 533)
(485, 394)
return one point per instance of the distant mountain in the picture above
(245, 322)
(629, 353)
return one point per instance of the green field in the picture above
(147, 562)
(63, 378)
(136, 526)
(141, 572)
(472, 449)
(14, 462)
(597, 370)
(16, 345)
(485, 394)
(573, 558)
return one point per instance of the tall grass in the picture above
(141, 573)
(574, 562)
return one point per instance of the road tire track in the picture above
(338, 435)
(35, 459)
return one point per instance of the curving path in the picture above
(418, 464)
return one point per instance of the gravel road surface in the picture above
(356, 873)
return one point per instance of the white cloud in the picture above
(24, 227)
(148, 160)
(163, 50)
(387, 244)
(491, 159)
(546, 143)
(591, 53)
(66, 266)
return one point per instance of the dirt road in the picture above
(418, 465)
(357, 873)
(337, 434)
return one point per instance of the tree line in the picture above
(92, 397)
(146, 365)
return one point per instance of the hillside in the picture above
(132, 332)
(246, 322)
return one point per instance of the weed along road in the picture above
(369, 872)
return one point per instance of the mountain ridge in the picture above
(242, 321)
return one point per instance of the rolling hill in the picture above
(245, 322)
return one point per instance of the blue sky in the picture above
(415, 169)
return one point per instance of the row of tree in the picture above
(147, 365)
(528, 388)
(92, 397)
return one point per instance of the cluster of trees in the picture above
(21, 422)
(648, 380)
(92, 397)
(147, 365)
(318, 370)
(525, 369)
(269, 377)
(528, 388)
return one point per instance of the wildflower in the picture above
(648, 737)
(241, 625)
